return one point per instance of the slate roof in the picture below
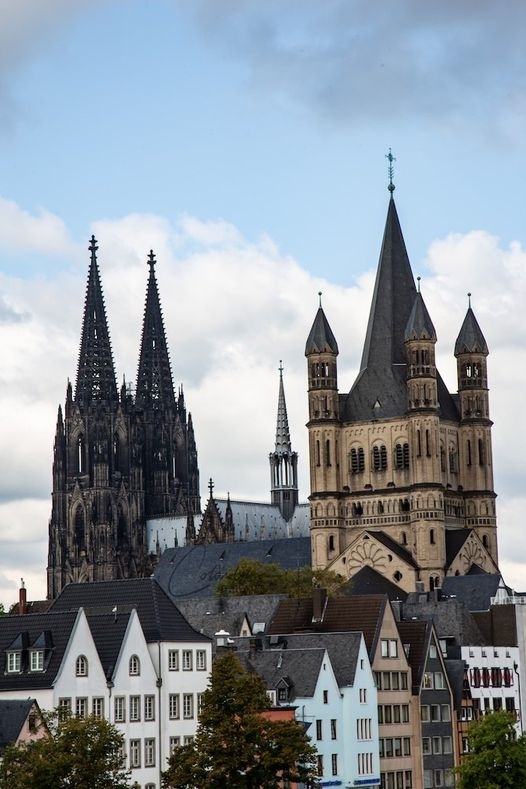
(209, 615)
(380, 390)
(361, 613)
(369, 581)
(420, 326)
(394, 546)
(108, 631)
(159, 616)
(455, 672)
(26, 629)
(13, 715)
(455, 539)
(417, 636)
(451, 617)
(300, 668)
(193, 571)
(475, 591)
(470, 338)
(321, 339)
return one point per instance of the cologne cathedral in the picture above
(119, 458)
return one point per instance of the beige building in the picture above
(401, 469)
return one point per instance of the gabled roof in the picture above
(368, 581)
(394, 546)
(470, 338)
(455, 539)
(159, 616)
(475, 591)
(417, 636)
(13, 715)
(300, 667)
(321, 339)
(27, 629)
(108, 631)
(209, 615)
(363, 613)
(194, 570)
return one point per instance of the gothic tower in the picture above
(117, 460)
(283, 461)
(401, 470)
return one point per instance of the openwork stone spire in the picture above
(154, 376)
(96, 380)
(282, 422)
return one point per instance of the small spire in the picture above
(390, 171)
(469, 300)
(93, 245)
(210, 486)
(151, 259)
(280, 368)
(418, 285)
(319, 294)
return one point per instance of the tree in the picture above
(252, 577)
(496, 757)
(236, 745)
(85, 753)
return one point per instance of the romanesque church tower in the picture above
(401, 469)
(118, 459)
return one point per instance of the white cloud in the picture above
(232, 308)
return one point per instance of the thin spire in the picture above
(154, 376)
(282, 422)
(95, 372)
(390, 171)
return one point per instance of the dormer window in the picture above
(14, 662)
(81, 666)
(36, 660)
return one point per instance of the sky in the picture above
(244, 141)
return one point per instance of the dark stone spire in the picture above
(282, 422)
(470, 338)
(320, 339)
(420, 326)
(96, 380)
(154, 377)
(393, 300)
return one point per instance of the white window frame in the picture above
(36, 660)
(173, 660)
(135, 754)
(174, 706)
(188, 662)
(188, 706)
(149, 752)
(200, 660)
(149, 707)
(81, 666)
(135, 709)
(14, 662)
(81, 707)
(120, 709)
(134, 666)
(97, 706)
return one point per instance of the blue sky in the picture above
(245, 142)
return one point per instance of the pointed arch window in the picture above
(357, 460)
(81, 462)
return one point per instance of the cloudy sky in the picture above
(244, 142)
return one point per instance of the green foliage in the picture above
(85, 753)
(252, 577)
(236, 746)
(496, 758)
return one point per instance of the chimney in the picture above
(22, 599)
(319, 602)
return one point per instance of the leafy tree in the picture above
(496, 758)
(252, 577)
(85, 753)
(236, 745)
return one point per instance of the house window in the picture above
(363, 695)
(97, 706)
(175, 742)
(440, 683)
(81, 666)
(200, 660)
(135, 666)
(135, 753)
(426, 745)
(64, 708)
(333, 729)
(149, 708)
(319, 729)
(36, 660)
(188, 705)
(187, 660)
(319, 765)
(149, 752)
(199, 699)
(120, 709)
(135, 708)
(188, 739)
(14, 662)
(81, 707)
(325, 696)
(173, 660)
(173, 706)
(334, 763)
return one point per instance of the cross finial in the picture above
(390, 170)
(93, 245)
(281, 368)
(210, 486)
(151, 259)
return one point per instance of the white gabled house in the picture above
(118, 649)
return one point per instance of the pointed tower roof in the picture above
(420, 326)
(282, 423)
(393, 299)
(95, 372)
(154, 375)
(321, 339)
(470, 338)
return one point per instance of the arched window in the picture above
(468, 448)
(432, 536)
(135, 666)
(331, 542)
(318, 459)
(402, 456)
(81, 666)
(379, 457)
(482, 452)
(485, 541)
(327, 453)
(357, 460)
(404, 538)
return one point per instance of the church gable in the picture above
(471, 553)
(375, 550)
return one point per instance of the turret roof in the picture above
(321, 339)
(470, 338)
(420, 326)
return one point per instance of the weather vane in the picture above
(389, 156)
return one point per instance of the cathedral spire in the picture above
(154, 376)
(95, 373)
(282, 422)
